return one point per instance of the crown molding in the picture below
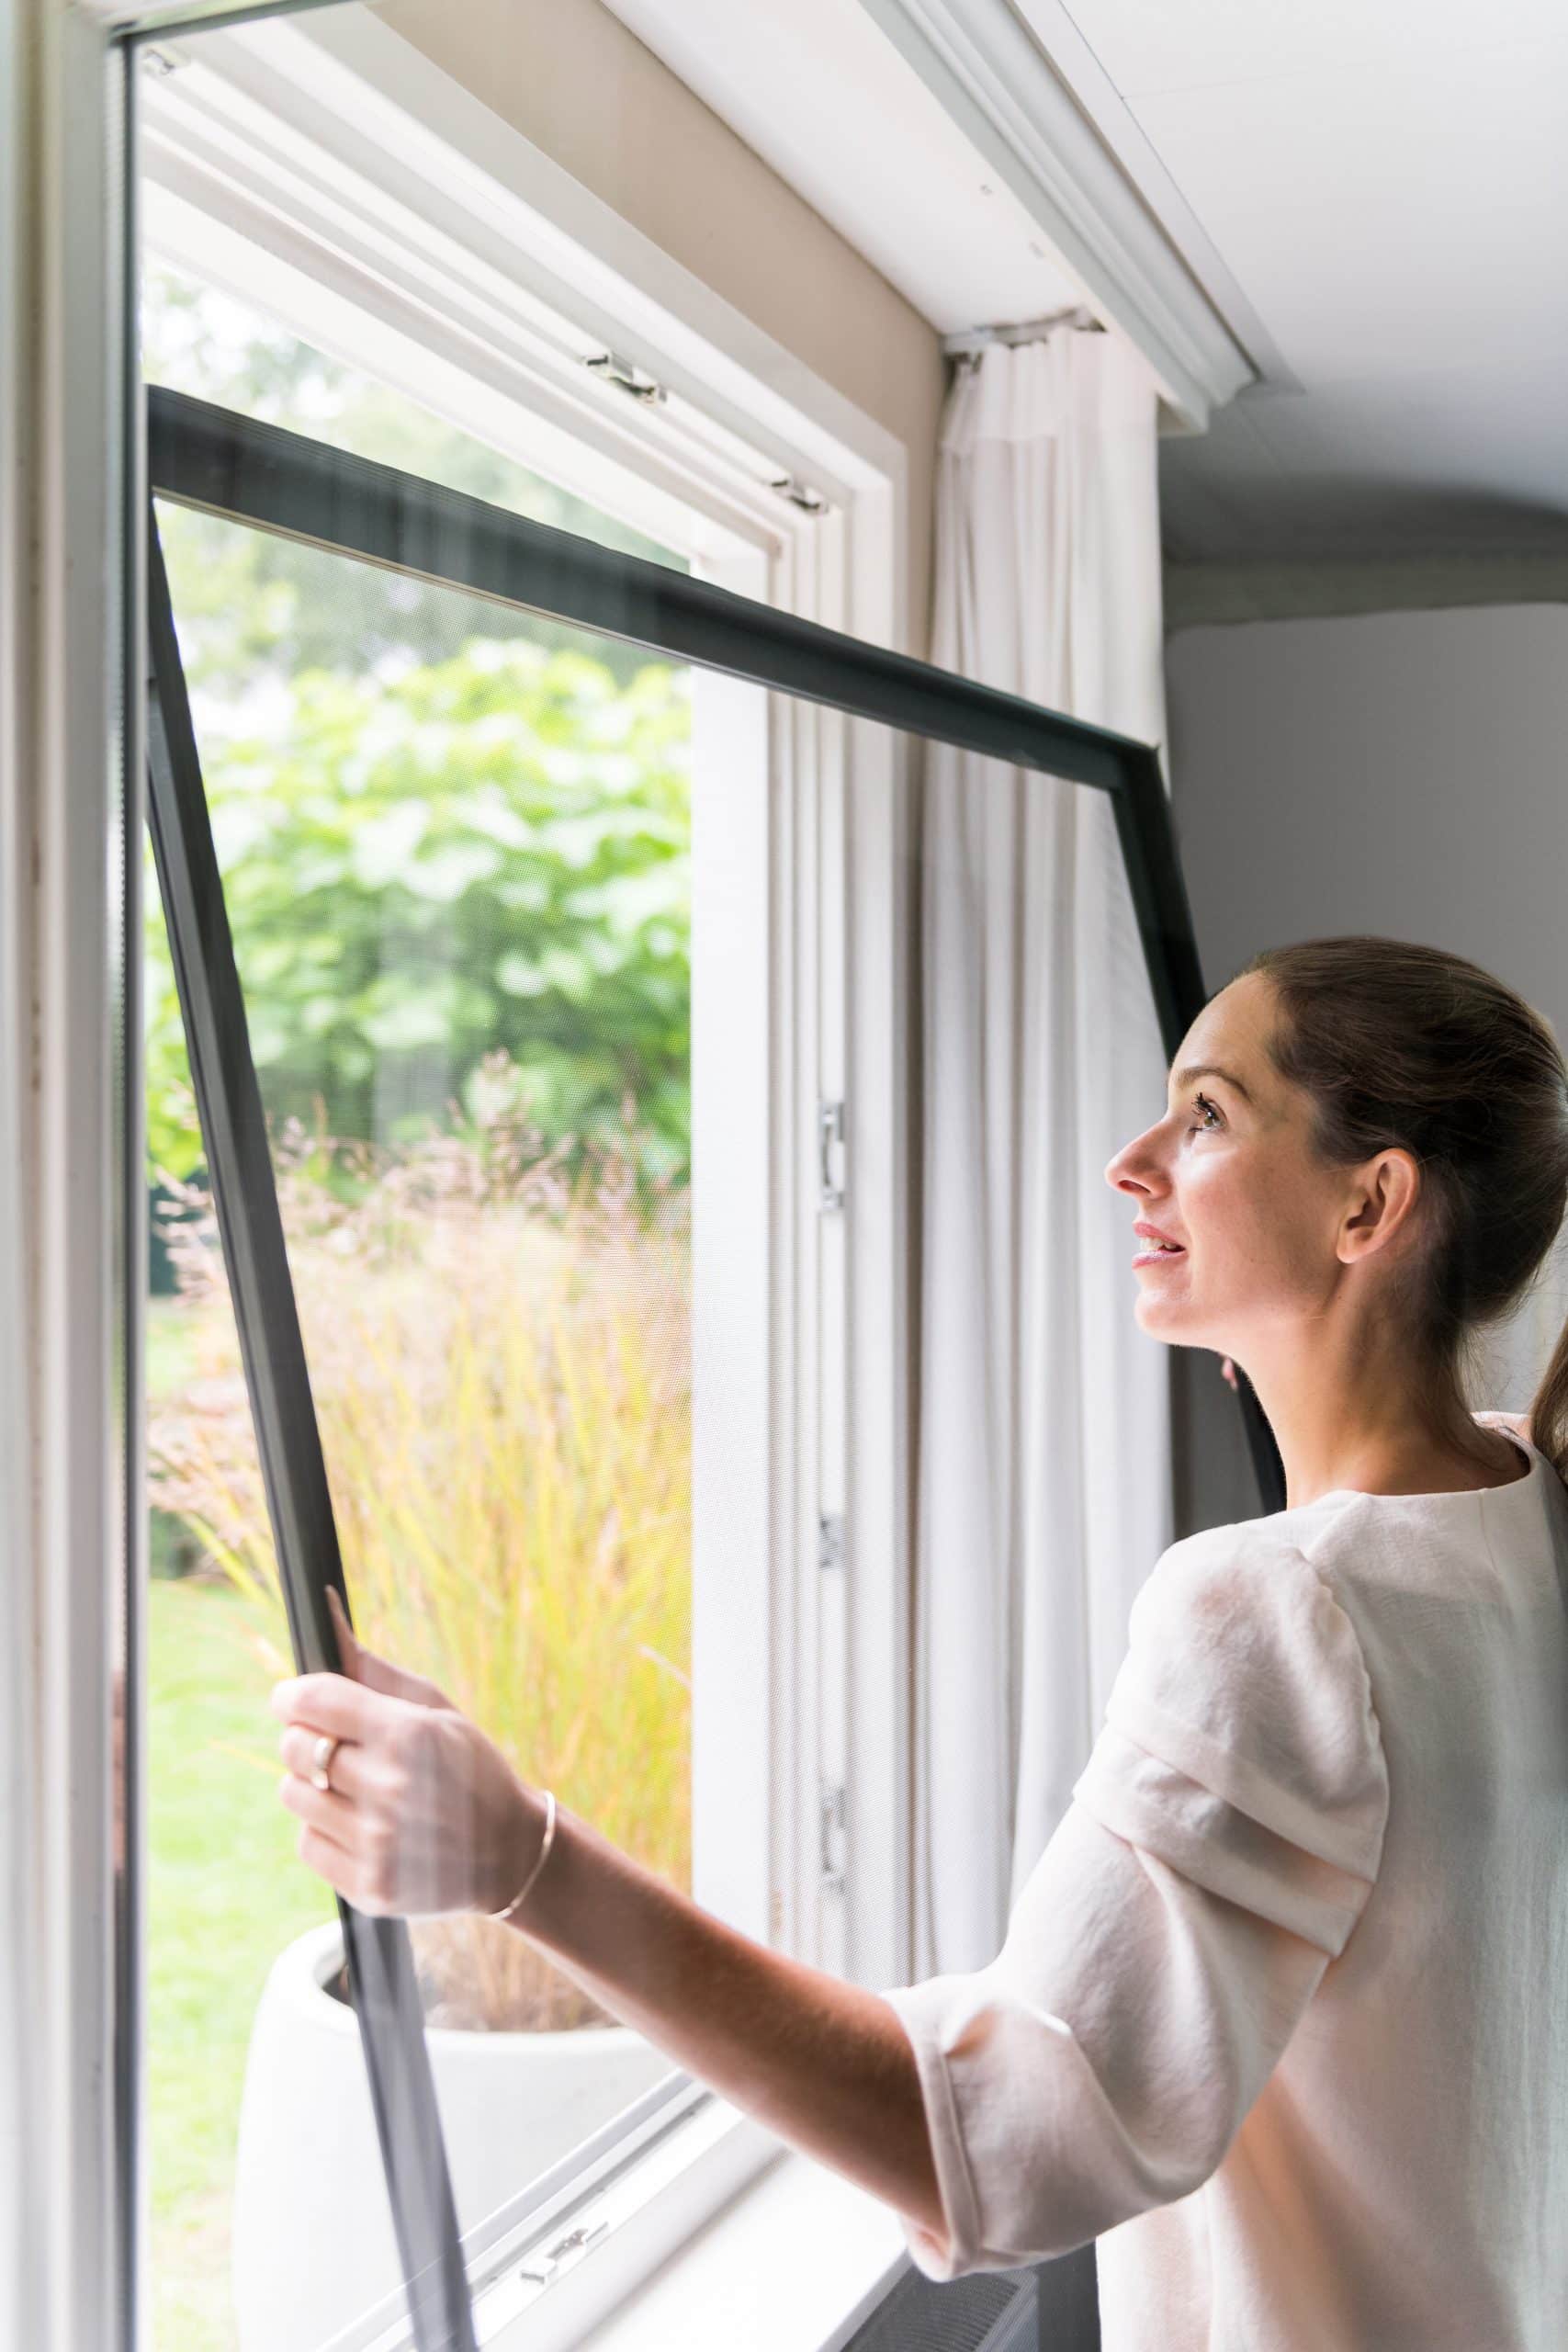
(989, 72)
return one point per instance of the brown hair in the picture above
(1405, 1046)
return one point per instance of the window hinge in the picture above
(831, 1816)
(626, 376)
(829, 1130)
(830, 1539)
(800, 494)
(541, 2269)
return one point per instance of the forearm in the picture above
(824, 2063)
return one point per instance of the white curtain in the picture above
(1044, 1456)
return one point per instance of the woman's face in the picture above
(1228, 1173)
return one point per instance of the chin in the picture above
(1163, 1319)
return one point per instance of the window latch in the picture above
(626, 376)
(541, 2269)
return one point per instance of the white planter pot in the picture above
(312, 2230)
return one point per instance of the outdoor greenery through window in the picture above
(456, 848)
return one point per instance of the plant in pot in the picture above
(499, 1360)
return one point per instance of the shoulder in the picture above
(1245, 1670)
(1249, 1578)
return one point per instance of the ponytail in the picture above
(1548, 1422)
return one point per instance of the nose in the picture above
(1118, 1174)
(1121, 1174)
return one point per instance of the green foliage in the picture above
(488, 852)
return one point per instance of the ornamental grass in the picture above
(499, 1360)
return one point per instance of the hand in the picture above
(425, 1813)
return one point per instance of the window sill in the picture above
(741, 2278)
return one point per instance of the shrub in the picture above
(490, 851)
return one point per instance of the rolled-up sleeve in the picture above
(1221, 1844)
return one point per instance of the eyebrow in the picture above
(1211, 1070)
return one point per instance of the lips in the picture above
(1154, 1237)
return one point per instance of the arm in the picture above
(426, 1814)
(821, 2062)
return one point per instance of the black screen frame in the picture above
(246, 470)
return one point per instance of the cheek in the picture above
(1244, 1223)
(1212, 1194)
(1225, 1217)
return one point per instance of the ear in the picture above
(1389, 1191)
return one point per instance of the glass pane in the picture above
(459, 878)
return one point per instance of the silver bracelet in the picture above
(507, 1909)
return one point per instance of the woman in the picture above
(1281, 2013)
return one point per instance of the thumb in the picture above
(362, 1664)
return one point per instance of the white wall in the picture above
(1401, 772)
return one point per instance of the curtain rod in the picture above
(972, 341)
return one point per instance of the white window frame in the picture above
(825, 1409)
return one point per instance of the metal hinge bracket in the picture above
(626, 376)
(831, 1818)
(829, 1131)
(800, 494)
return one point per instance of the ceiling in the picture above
(1372, 194)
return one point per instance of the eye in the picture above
(1204, 1100)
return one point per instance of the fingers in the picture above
(332, 1703)
(420, 1804)
(379, 1673)
(396, 1681)
(349, 1772)
(340, 1843)
(328, 1859)
(325, 1810)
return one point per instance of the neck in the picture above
(1369, 1423)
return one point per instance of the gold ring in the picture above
(326, 1748)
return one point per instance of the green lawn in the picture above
(227, 1891)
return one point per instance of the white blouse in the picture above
(1281, 2014)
